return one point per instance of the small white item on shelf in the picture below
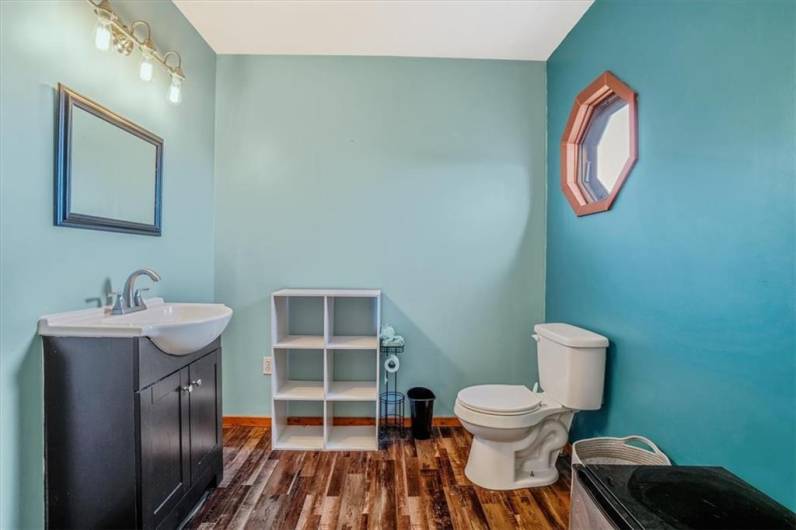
(387, 332)
(392, 364)
(388, 337)
(395, 341)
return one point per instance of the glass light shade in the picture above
(102, 36)
(175, 90)
(145, 71)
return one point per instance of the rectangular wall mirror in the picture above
(108, 169)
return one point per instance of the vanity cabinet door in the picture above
(205, 428)
(164, 446)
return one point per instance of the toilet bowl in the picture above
(518, 432)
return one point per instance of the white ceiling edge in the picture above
(527, 30)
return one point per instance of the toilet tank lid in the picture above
(571, 336)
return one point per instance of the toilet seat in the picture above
(499, 400)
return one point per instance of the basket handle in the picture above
(643, 440)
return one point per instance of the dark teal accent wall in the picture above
(691, 274)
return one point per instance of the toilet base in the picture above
(525, 463)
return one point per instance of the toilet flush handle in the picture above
(535, 337)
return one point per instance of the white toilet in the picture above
(518, 432)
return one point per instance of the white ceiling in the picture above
(479, 29)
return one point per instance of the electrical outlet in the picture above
(268, 365)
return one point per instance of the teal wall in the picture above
(45, 269)
(425, 178)
(691, 274)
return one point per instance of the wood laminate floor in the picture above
(408, 484)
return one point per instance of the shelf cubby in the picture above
(300, 342)
(349, 437)
(298, 322)
(325, 345)
(352, 375)
(352, 391)
(294, 436)
(300, 391)
(349, 342)
(352, 438)
(352, 322)
(298, 375)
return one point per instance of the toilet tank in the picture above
(571, 365)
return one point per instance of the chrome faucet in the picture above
(132, 299)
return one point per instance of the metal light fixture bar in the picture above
(125, 41)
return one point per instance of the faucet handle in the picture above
(118, 303)
(138, 298)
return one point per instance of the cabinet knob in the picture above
(198, 382)
(188, 388)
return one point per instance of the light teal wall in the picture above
(691, 274)
(425, 178)
(45, 269)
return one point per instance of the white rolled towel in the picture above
(387, 332)
(393, 342)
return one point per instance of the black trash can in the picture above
(421, 404)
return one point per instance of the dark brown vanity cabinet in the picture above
(132, 434)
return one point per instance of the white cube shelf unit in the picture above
(304, 329)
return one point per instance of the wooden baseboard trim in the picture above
(265, 421)
(317, 420)
(445, 421)
(247, 421)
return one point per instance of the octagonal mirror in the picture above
(600, 144)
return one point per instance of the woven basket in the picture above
(618, 451)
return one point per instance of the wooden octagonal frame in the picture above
(605, 86)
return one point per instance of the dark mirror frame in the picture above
(67, 100)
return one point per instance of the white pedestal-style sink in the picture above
(178, 329)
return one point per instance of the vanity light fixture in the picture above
(111, 29)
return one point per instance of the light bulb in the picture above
(102, 37)
(175, 90)
(145, 72)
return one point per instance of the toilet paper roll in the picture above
(392, 364)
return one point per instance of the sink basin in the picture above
(178, 329)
